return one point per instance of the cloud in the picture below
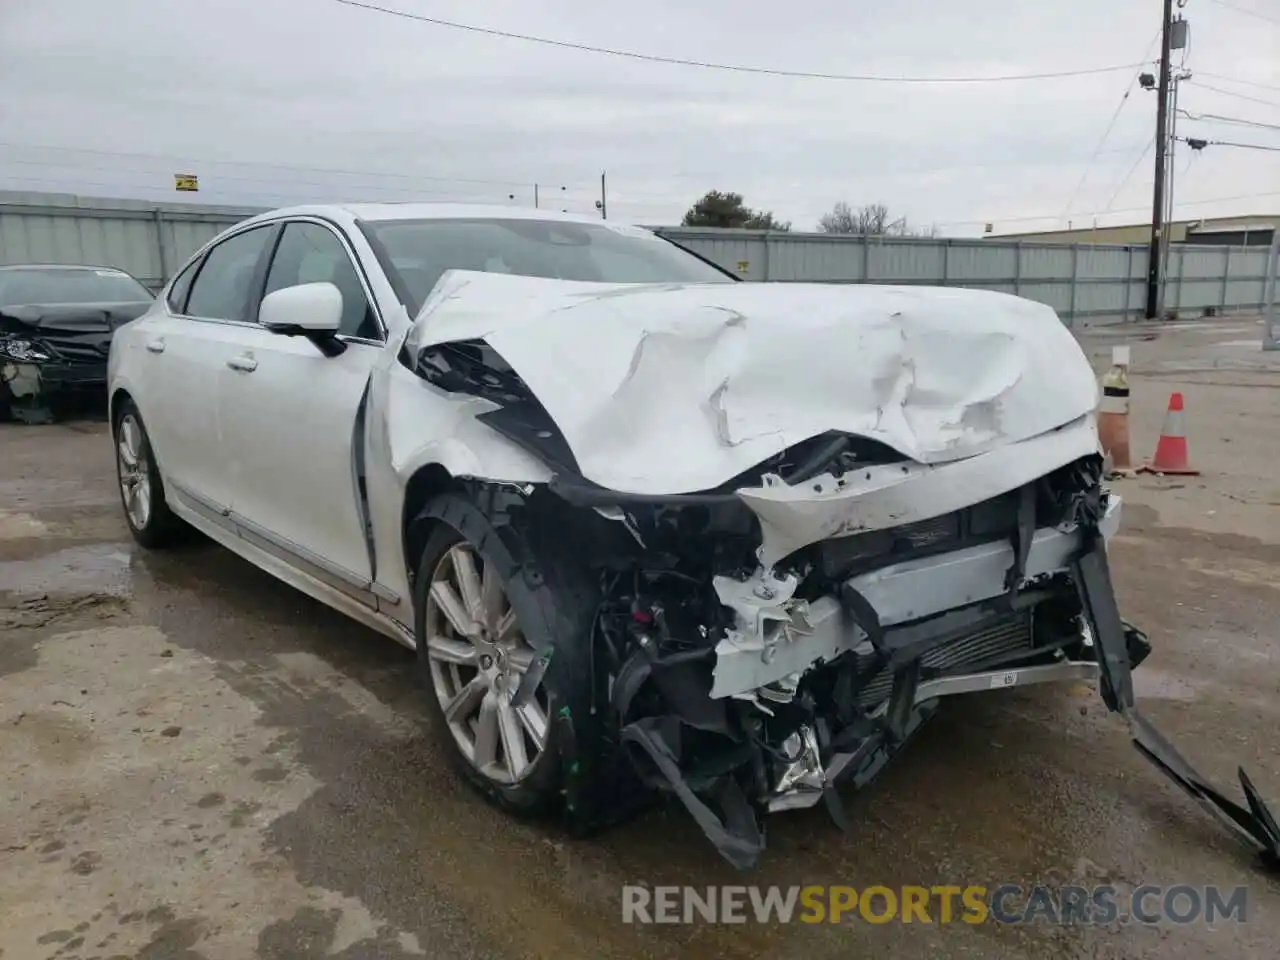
(262, 99)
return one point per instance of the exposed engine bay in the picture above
(759, 644)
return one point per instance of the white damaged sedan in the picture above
(650, 529)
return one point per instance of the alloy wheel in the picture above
(477, 656)
(134, 471)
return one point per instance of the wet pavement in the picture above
(200, 762)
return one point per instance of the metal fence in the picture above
(149, 240)
(1082, 282)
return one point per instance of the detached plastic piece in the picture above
(1116, 646)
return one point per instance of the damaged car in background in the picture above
(56, 324)
(651, 530)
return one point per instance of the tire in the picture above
(553, 602)
(155, 526)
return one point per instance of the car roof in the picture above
(60, 266)
(425, 211)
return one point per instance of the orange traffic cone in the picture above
(1171, 450)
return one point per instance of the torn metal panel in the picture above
(775, 635)
(921, 588)
(665, 389)
(890, 495)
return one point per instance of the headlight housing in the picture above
(24, 351)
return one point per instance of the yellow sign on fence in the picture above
(186, 182)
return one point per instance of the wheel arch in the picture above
(118, 398)
(425, 484)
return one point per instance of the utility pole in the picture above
(1157, 204)
(604, 201)
(1175, 84)
(535, 196)
(1269, 341)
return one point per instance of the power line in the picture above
(1240, 96)
(1231, 143)
(1247, 83)
(1246, 11)
(278, 201)
(216, 179)
(411, 181)
(1107, 132)
(1147, 207)
(733, 67)
(289, 168)
(1129, 175)
(1218, 118)
(269, 200)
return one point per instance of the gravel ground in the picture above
(200, 762)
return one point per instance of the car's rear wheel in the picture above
(490, 612)
(150, 520)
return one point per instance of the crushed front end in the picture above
(762, 643)
(744, 687)
(54, 355)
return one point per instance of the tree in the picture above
(871, 220)
(727, 210)
(763, 220)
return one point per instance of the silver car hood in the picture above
(673, 388)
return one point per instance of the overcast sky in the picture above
(261, 98)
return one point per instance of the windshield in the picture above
(41, 285)
(416, 253)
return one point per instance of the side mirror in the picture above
(305, 308)
(311, 310)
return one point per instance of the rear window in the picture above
(39, 285)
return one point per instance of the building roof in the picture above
(1193, 224)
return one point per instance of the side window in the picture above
(310, 253)
(177, 298)
(222, 287)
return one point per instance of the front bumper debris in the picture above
(1255, 825)
(1118, 647)
(852, 746)
(29, 391)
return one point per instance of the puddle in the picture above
(97, 569)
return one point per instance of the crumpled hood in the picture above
(69, 319)
(673, 388)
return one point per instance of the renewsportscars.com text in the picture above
(974, 904)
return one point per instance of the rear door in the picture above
(185, 350)
(289, 418)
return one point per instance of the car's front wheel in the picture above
(150, 520)
(490, 612)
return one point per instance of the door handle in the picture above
(155, 346)
(243, 363)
